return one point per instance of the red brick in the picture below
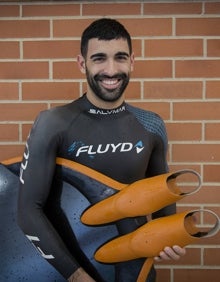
(136, 27)
(211, 173)
(137, 47)
(212, 89)
(84, 86)
(184, 131)
(212, 131)
(9, 11)
(70, 27)
(175, 167)
(212, 8)
(212, 256)
(172, 89)
(24, 28)
(198, 68)
(198, 26)
(188, 208)
(172, 8)
(25, 131)
(196, 153)
(10, 151)
(210, 241)
(24, 70)
(133, 91)
(54, 10)
(9, 132)
(152, 69)
(9, 50)
(50, 90)
(196, 275)
(173, 48)
(206, 195)
(8, 91)
(148, 26)
(20, 111)
(213, 47)
(66, 70)
(196, 111)
(163, 275)
(111, 9)
(51, 49)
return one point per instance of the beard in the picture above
(104, 93)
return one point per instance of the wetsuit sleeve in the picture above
(154, 124)
(37, 170)
(158, 162)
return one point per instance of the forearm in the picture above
(39, 229)
(46, 240)
(80, 276)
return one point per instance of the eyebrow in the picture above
(104, 55)
(97, 55)
(122, 54)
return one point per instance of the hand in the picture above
(169, 253)
(80, 276)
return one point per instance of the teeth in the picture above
(110, 82)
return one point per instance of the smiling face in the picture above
(107, 66)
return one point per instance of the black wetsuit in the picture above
(126, 144)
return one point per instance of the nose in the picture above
(110, 67)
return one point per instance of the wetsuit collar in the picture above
(99, 111)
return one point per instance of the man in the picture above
(98, 130)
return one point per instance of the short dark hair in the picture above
(104, 29)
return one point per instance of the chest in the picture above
(120, 148)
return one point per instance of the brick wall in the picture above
(177, 71)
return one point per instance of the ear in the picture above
(81, 63)
(132, 61)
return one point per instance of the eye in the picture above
(98, 59)
(121, 57)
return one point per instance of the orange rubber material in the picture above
(150, 239)
(139, 198)
(143, 274)
(80, 168)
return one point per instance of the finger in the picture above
(164, 255)
(180, 251)
(158, 259)
(171, 253)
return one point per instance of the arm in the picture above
(80, 275)
(158, 165)
(36, 177)
(158, 162)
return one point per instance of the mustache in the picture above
(115, 76)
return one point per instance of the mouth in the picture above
(112, 83)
